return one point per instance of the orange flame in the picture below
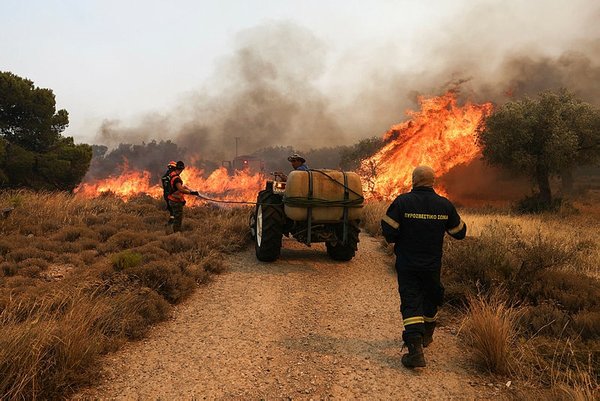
(241, 186)
(441, 135)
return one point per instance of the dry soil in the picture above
(304, 327)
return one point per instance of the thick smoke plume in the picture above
(283, 86)
(266, 93)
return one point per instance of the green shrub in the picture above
(125, 260)
(152, 252)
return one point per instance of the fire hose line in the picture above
(301, 201)
(293, 201)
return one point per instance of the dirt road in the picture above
(304, 327)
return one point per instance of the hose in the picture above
(297, 201)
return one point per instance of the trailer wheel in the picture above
(268, 226)
(344, 252)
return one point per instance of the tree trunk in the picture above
(567, 182)
(543, 181)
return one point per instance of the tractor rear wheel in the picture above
(340, 251)
(269, 219)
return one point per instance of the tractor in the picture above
(311, 206)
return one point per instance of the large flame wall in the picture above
(441, 135)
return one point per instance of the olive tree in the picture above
(541, 137)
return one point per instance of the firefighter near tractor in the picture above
(311, 206)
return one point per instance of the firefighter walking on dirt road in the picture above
(175, 194)
(416, 223)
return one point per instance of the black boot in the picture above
(428, 336)
(415, 357)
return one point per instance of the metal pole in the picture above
(237, 138)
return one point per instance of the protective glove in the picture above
(196, 193)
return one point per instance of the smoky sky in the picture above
(282, 85)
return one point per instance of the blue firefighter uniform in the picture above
(416, 223)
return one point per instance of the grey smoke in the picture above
(265, 93)
(280, 87)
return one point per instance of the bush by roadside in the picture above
(529, 289)
(80, 277)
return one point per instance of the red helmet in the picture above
(172, 164)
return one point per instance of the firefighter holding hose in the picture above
(174, 192)
(416, 223)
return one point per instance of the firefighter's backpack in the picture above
(166, 184)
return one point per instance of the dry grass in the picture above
(490, 329)
(547, 266)
(92, 275)
(373, 212)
